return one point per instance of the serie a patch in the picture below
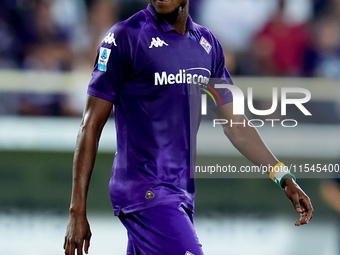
(104, 55)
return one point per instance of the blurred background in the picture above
(47, 52)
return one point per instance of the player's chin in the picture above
(163, 7)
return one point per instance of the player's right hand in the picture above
(78, 235)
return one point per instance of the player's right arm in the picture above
(78, 231)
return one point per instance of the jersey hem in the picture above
(146, 205)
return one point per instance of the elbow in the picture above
(237, 135)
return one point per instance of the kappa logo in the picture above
(205, 44)
(110, 39)
(157, 42)
(189, 253)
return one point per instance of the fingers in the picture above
(70, 246)
(80, 248)
(296, 203)
(302, 220)
(78, 235)
(301, 203)
(306, 210)
(87, 243)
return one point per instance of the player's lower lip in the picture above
(162, 1)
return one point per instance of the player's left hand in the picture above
(300, 201)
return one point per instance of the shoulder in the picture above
(206, 33)
(135, 22)
(129, 28)
(207, 39)
(200, 28)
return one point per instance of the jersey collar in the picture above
(166, 27)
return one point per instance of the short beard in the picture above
(173, 16)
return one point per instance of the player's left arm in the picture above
(249, 142)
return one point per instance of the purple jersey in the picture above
(151, 74)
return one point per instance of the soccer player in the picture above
(149, 69)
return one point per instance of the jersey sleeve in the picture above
(220, 75)
(111, 67)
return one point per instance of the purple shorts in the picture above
(166, 230)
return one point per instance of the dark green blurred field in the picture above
(42, 181)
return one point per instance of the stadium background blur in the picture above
(47, 52)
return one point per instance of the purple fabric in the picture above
(165, 230)
(151, 73)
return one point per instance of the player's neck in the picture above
(179, 18)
